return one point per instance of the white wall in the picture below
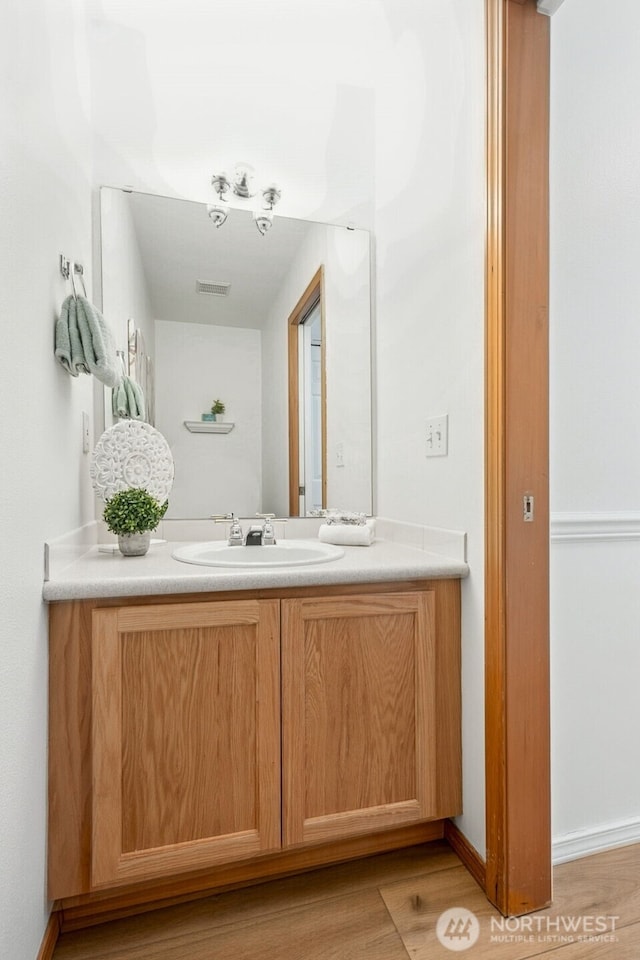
(45, 209)
(374, 118)
(215, 473)
(346, 261)
(430, 309)
(204, 91)
(378, 122)
(595, 428)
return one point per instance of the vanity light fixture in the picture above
(241, 185)
(218, 213)
(264, 217)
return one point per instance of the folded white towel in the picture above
(348, 534)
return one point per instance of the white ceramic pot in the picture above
(134, 544)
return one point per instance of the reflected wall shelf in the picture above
(208, 426)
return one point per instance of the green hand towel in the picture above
(127, 400)
(97, 343)
(68, 345)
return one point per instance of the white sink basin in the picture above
(285, 553)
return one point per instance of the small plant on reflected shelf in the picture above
(217, 408)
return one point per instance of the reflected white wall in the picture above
(344, 255)
(196, 364)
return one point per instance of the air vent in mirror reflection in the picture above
(213, 289)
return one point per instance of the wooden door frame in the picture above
(518, 866)
(313, 292)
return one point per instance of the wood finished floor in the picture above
(381, 908)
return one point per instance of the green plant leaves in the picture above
(133, 511)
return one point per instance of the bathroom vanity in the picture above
(204, 739)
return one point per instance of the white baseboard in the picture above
(583, 843)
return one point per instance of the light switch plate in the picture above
(437, 436)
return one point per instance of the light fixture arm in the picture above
(271, 195)
(221, 184)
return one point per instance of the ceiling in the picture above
(179, 245)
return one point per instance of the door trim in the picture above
(518, 868)
(313, 293)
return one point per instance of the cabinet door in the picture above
(359, 714)
(185, 737)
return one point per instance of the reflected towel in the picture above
(97, 343)
(68, 346)
(127, 400)
(348, 534)
(346, 516)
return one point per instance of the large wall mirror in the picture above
(277, 327)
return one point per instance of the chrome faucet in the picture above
(257, 535)
(260, 536)
(236, 536)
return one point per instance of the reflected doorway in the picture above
(307, 402)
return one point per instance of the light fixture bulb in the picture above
(217, 213)
(264, 220)
(243, 180)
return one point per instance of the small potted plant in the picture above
(217, 409)
(132, 514)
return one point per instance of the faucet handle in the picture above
(235, 533)
(268, 533)
(235, 530)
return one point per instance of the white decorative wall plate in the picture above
(132, 454)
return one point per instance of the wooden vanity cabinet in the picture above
(360, 716)
(185, 737)
(167, 717)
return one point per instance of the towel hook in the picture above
(79, 269)
(69, 269)
(65, 263)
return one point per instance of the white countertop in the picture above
(98, 574)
